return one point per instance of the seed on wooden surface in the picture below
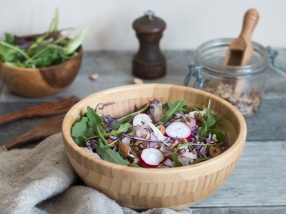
(94, 76)
(138, 81)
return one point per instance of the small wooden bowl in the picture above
(143, 188)
(40, 82)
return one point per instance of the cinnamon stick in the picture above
(39, 132)
(41, 110)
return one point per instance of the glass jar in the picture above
(242, 86)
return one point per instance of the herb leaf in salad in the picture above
(173, 108)
(110, 155)
(183, 136)
(41, 50)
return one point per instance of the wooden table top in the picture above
(257, 185)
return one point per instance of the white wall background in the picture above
(189, 22)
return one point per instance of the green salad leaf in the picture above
(80, 141)
(81, 128)
(208, 124)
(106, 153)
(122, 128)
(175, 107)
(96, 122)
(177, 163)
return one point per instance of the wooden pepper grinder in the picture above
(149, 62)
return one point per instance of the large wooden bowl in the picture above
(143, 188)
(40, 82)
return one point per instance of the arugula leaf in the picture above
(211, 121)
(177, 163)
(110, 155)
(202, 132)
(93, 118)
(208, 125)
(80, 141)
(81, 129)
(47, 56)
(179, 105)
(122, 128)
(128, 117)
(96, 122)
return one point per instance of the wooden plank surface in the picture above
(258, 180)
(242, 210)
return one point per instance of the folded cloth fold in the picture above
(41, 180)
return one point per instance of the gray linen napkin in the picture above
(41, 180)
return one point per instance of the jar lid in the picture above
(149, 23)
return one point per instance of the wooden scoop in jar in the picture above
(240, 51)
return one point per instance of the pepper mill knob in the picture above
(149, 62)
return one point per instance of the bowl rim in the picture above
(240, 141)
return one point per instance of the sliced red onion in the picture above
(112, 137)
(140, 118)
(154, 140)
(101, 105)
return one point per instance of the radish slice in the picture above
(151, 157)
(139, 118)
(179, 130)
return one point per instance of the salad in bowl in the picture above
(160, 135)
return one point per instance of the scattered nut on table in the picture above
(138, 81)
(94, 76)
